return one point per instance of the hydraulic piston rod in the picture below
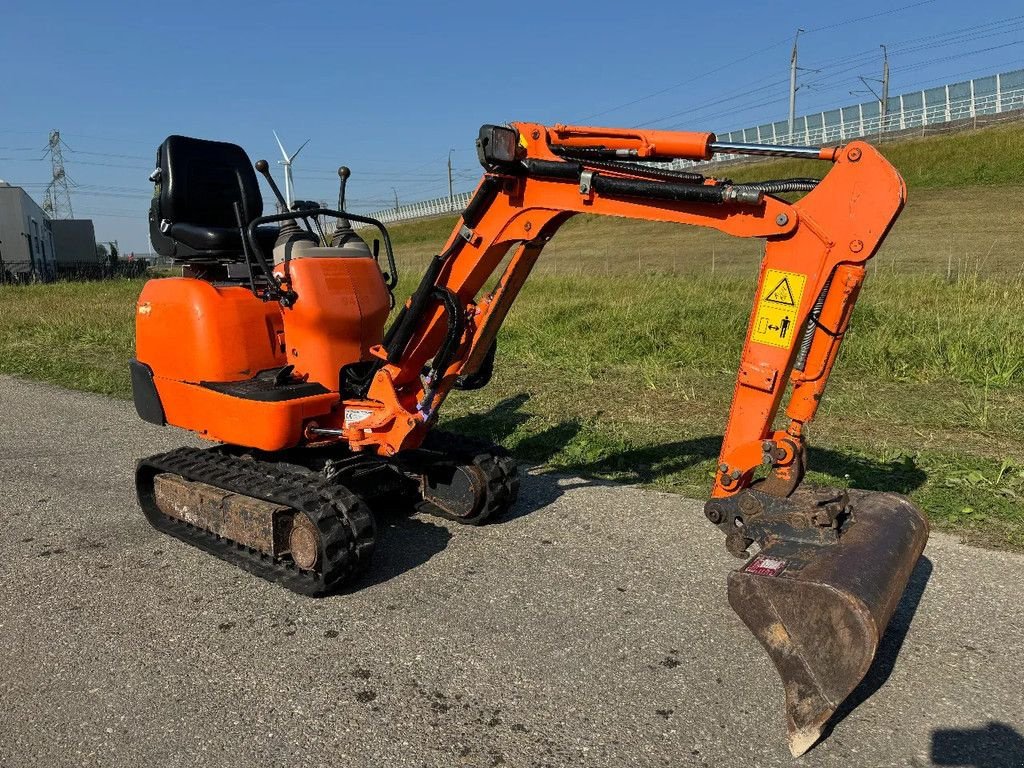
(770, 150)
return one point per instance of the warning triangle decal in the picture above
(781, 294)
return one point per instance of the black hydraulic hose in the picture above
(453, 336)
(609, 160)
(650, 172)
(485, 194)
(402, 328)
(645, 188)
(588, 153)
(554, 169)
(659, 190)
(812, 323)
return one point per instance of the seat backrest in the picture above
(200, 181)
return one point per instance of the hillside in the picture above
(963, 217)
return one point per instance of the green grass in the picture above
(994, 156)
(963, 217)
(630, 378)
(632, 381)
(948, 233)
(78, 335)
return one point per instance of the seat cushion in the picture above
(206, 238)
(221, 240)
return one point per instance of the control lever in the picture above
(291, 227)
(264, 168)
(343, 174)
(343, 232)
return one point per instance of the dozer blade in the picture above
(820, 609)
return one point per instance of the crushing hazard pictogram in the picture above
(781, 294)
(775, 321)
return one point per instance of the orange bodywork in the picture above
(340, 313)
(192, 330)
(269, 426)
(639, 143)
(191, 333)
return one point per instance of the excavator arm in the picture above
(831, 564)
(815, 251)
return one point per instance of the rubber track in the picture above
(344, 522)
(500, 470)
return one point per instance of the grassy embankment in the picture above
(630, 377)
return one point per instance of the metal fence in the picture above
(970, 99)
(440, 205)
(984, 96)
(24, 274)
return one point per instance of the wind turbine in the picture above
(287, 163)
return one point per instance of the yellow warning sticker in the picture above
(775, 322)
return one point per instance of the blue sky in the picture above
(388, 88)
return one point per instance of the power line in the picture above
(109, 154)
(830, 77)
(870, 16)
(855, 61)
(717, 102)
(748, 57)
(929, 43)
(953, 57)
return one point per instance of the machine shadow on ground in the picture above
(890, 645)
(403, 544)
(996, 745)
(650, 464)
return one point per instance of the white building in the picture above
(26, 238)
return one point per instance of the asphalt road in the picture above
(589, 629)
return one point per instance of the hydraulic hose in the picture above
(602, 160)
(443, 358)
(646, 189)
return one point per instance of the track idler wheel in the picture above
(462, 479)
(819, 595)
(304, 543)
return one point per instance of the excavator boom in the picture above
(815, 251)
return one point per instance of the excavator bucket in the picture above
(820, 609)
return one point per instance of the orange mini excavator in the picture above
(274, 345)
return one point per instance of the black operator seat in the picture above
(192, 214)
